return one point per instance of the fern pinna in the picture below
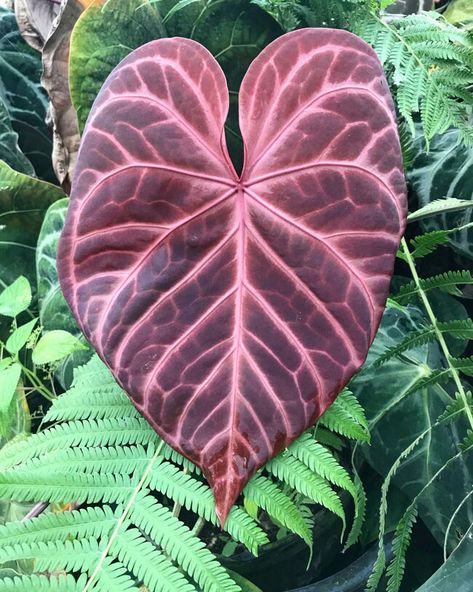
(127, 488)
(442, 335)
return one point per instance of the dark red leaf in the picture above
(234, 310)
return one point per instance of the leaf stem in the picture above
(440, 338)
(123, 517)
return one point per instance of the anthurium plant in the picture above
(227, 351)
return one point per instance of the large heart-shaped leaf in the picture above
(233, 310)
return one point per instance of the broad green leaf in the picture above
(53, 309)
(23, 203)
(9, 149)
(234, 31)
(101, 38)
(54, 312)
(9, 378)
(445, 172)
(397, 418)
(54, 346)
(456, 574)
(23, 96)
(15, 298)
(460, 12)
(20, 336)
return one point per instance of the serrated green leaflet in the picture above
(23, 203)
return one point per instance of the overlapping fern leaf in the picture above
(127, 487)
(460, 407)
(429, 65)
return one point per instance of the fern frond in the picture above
(42, 583)
(279, 507)
(340, 418)
(414, 339)
(446, 282)
(197, 497)
(462, 329)
(464, 365)
(424, 244)
(153, 568)
(84, 523)
(402, 537)
(322, 462)
(456, 407)
(292, 471)
(360, 511)
(417, 51)
(86, 433)
(188, 551)
(79, 554)
(467, 442)
(114, 577)
(436, 376)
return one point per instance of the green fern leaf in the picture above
(153, 568)
(41, 583)
(464, 365)
(84, 523)
(425, 244)
(339, 419)
(113, 577)
(402, 537)
(414, 339)
(279, 507)
(462, 329)
(447, 282)
(322, 462)
(295, 473)
(456, 407)
(180, 544)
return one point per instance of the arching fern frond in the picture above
(91, 454)
(430, 64)
(402, 537)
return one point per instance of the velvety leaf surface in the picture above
(23, 203)
(445, 171)
(389, 401)
(9, 149)
(21, 92)
(233, 310)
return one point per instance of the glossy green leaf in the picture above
(9, 378)
(54, 311)
(397, 418)
(15, 298)
(20, 336)
(446, 171)
(234, 31)
(54, 346)
(456, 574)
(460, 12)
(23, 203)
(23, 96)
(9, 149)
(101, 38)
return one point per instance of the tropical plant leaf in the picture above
(445, 172)
(23, 204)
(23, 96)
(9, 149)
(388, 403)
(255, 280)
